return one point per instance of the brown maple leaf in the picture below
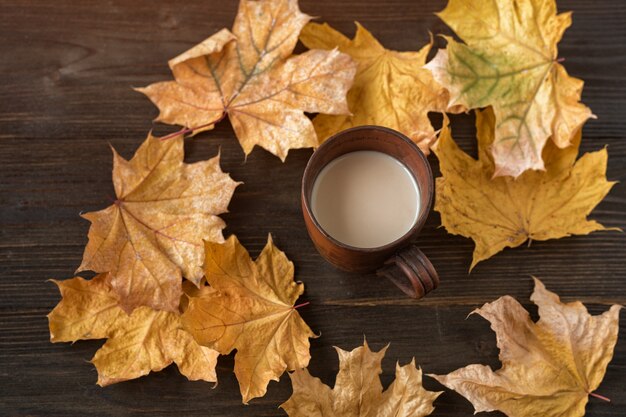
(358, 391)
(549, 368)
(250, 75)
(252, 310)
(147, 340)
(155, 228)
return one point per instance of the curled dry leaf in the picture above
(147, 340)
(505, 212)
(549, 367)
(155, 228)
(390, 89)
(509, 61)
(251, 310)
(250, 75)
(358, 391)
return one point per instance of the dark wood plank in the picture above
(66, 73)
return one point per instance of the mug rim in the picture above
(419, 222)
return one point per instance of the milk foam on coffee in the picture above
(365, 199)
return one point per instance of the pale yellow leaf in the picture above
(358, 391)
(550, 367)
(390, 89)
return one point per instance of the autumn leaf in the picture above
(155, 227)
(358, 391)
(150, 340)
(251, 310)
(250, 76)
(510, 61)
(505, 212)
(549, 367)
(147, 340)
(88, 310)
(390, 89)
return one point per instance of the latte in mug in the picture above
(365, 199)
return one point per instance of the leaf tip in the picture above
(436, 377)
(539, 286)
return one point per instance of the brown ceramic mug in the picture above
(400, 261)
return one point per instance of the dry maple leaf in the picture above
(358, 391)
(549, 367)
(252, 310)
(155, 228)
(390, 89)
(150, 340)
(88, 310)
(509, 61)
(147, 340)
(505, 212)
(250, 76)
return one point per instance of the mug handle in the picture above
(411, 271)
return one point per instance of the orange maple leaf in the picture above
(155, 228)
(250, 75)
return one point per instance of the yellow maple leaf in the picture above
(251, 310)
(250, 76)
(505, 212)
(510, 61)
(550, 367)
(358, 391)
(390, 89)
(88, 310)
(147, 340)
(155, 228)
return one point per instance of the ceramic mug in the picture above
(400, 261)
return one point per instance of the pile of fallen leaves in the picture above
(169, 289)
(148, 249)
(141, 247)
(527, 184)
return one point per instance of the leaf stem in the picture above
(191, 129)
(602, 397)
(301, 305)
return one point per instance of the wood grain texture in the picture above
(66, 73)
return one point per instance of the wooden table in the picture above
(66, 74)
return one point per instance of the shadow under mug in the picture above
(400, 261)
